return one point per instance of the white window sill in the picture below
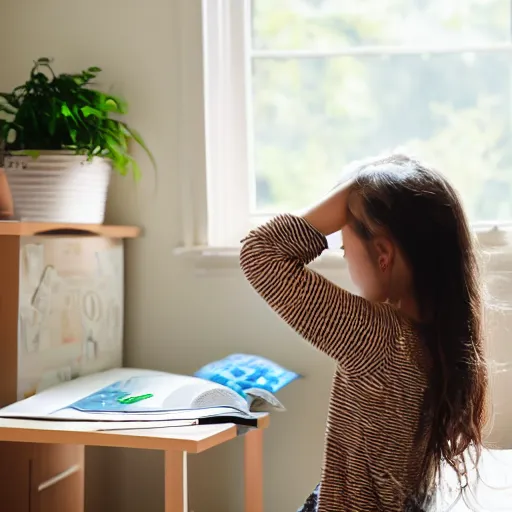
(496, 245)
(224, 259)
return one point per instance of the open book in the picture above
(131, 395)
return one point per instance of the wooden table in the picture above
(176, 442)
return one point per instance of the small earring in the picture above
(383, 266)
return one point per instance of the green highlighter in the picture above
(134, 399)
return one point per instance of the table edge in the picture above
(115, 439)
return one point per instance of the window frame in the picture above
(210, 169)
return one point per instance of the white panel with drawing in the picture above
(71, 309)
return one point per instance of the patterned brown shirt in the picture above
(374, 447)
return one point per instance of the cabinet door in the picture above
(15, 464)
(57, 478)
(67, 495)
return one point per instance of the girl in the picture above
(410, 382)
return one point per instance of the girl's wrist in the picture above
(330, 214)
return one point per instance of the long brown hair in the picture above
(423, 214)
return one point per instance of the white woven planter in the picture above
(58, 187)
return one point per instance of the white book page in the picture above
(165, 397)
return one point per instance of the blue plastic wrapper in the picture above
(242, 371)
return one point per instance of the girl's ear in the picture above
(384, 251)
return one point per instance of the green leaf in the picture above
(39, 79)
(87, 77)
(34, 117)
(10, 98)
(140, 141)
(94, 70)
(90, 111)
(4, 130)
(7, 109)
(114, 104)
(3, 123)
(64, 110)
(53, 117)
(136, 170)
(33, 153)
(11, 136)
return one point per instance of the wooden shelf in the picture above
(15, 228)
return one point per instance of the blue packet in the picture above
(242, 371)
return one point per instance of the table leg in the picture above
(253, 471)
(176, 498)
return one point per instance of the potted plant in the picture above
(60, 138)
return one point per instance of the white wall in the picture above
(175, 320)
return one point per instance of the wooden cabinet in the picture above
(15, 466)
(64, 496)
(41, 478)
(61, 316)
(57, 478)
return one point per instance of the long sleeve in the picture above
(348, 328)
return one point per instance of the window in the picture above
(297, 89)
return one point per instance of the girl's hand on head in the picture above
(330, 214)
